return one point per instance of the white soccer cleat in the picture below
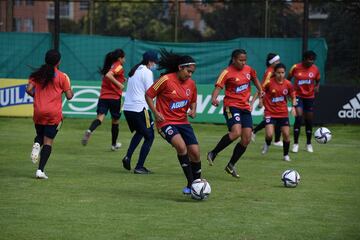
(295, 148)
(40, 174)
(287, 158)
(265, 149)
(253, 136)
(116, 146)
(278, 144)
(309, 148)
(35, 152)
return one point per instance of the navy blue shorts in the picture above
(141, 122)
(307, 104)
(49, 131)
(235, 115)
(185, 130)
(280, 122)
(104, 105)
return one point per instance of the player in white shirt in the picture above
(137, 112)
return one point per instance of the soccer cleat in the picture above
(35, 152)
(115, 147)
(309, 148)
(230, 169)
(278, 144)
(295, 148)
(40, 174)
(211, 157)
(142, 170)
(265, 149)
(253, 136)
(86, 137)
(287, 158)
(126, 163)
(186, 191)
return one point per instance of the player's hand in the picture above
(192, 113)
(159, 117)
(316, 88)
(215, 102)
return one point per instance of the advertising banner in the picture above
(15, 102)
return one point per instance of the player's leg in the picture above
(102, 109)
(38, 142)
(297, 124)
(308, 119)
(269, 131)
(232, 117)
(50, 132)
(240, 148)
(115, 106)
(285, 130)
(277, 141)
(193, 148)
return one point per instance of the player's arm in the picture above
(67, 87)
(150, 101)
(30, 89)
(214, 95)
(110, 75)
(192, 110)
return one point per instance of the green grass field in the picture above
(90, 196)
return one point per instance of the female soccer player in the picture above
(271, 60)
(237, 111)
(176, 96)
(110, 96)
(306, 83)
(137, 112)
(277, 90)
(46, 86)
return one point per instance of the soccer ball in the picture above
(290, 178)
(322, 135)
(200, 189)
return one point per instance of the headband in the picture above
(186, 64)
(274, 59)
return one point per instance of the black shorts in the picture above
(141, 122)
(185, 130)
(307, 104)
(49, 131)
(280, 122)
(235, 115)
(104, 105)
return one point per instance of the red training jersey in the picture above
(305, 79)
(275, 98)
(48, 100)
(173, 98)
(108, 89)
(237, 86)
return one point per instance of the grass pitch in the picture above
(90, 196)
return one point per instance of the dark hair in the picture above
(170, 61)
(45, 74)
(147, 57)
(110, 58)
(269, 57)
(236, 53)
(309, 55)
(279, 65)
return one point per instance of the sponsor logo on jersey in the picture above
(180, 104)
(241, 88)
(304, 82)
(285, 91)
(188, 92)
(277, 99)
(14, 95)
(351, 109)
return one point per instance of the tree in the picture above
(343, 63)
(233, 19)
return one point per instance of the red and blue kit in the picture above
(305, 79)
(237, 86)
(175, 98)
(275, 99)
(108, 89)
(48, 100)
